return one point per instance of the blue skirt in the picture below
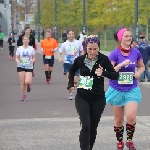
(118, 98)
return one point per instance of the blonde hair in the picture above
(25, 36)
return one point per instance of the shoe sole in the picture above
(23, 100)
(29, 90)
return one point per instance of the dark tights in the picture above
(89, 113)
(11, 50)
(1, 43)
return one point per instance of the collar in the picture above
(125, 50)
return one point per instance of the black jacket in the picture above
(97, 92)
(11, 40)
(31, 42)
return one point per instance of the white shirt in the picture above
(71, 49)
(81, 39)
(25, 57)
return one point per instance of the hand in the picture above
(99, 71)
(126, 62)
(32, 61)
(60, 60)
(71, 89)
(17, 62)
(137, 75)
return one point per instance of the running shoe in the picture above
(130, 145)
(49, 77)
(23, 98)
(120, 145)
(71, 97)
(47, 81)
(28, 88)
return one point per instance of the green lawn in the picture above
(110, 45)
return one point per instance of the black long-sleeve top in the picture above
(11, 40)
(97, 92)
(31, 41)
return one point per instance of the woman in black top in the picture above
(11, 43)
(90, 98)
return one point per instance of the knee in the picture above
(22, 82)
(131, 119)
(118, 122)
(27, 83)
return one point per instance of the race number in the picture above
(85, 82)
(48, 57)
(125, 78)
(25, 61)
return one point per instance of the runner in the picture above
(72, 49)
(48, 46)
(1, 39)
(11, 41)
(25, 57)
(124, 94)
(27, 31)
(90, 98)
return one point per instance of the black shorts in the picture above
(50, 62)
(19, 69)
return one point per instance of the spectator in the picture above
(64, 36)
(43, 34)
(1, 39)
(144, 48)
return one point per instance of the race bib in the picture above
(125, 78)
(13, 44)
(85, 82)
(25, 61)
(48, 57)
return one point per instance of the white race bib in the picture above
(48, 57)
(13, 44)
(25, 61)
(125, 78)
(85, 82)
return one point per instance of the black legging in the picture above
(11, 50)
(89, 113)
(1, 43)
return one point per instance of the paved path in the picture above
(48, 120)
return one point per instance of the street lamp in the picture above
(55, 14)
(84, 16)
(39, 20)
(136, 21)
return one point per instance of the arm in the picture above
(72, 71)
(81, 49)
(19, 41)
(3, 35)
(17, 56)
(141, 68)
(8, 40)
(33, 56)
(109, 71)
(61, 49)
(33, 42)
(60, 57)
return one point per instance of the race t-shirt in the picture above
(72, 50)
(25, 57)
(126, 81)
(49, 46)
